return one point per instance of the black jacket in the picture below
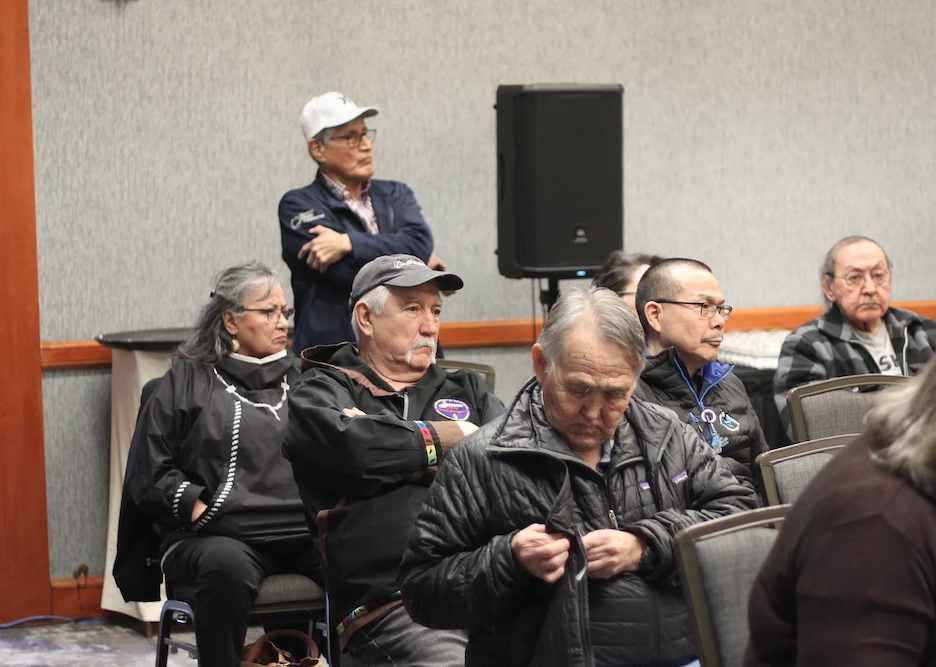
(735, 433)
(459, 570)
(195, 440)
(322, 313)
(363, 479)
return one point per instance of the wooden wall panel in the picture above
(76, 598)
(24, 541)
(492, 333)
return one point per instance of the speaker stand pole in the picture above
(549, 295)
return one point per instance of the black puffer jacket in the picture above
(459, 570)
(735, 433)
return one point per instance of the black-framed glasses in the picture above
(706, 310)
(857, 278)
(354, 138)
(273, 314)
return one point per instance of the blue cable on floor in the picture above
(36, 618)
(64, 619)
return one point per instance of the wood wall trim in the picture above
(24, 542)
(74, 354)
(77, 599)
(491, 333)
(482, 334)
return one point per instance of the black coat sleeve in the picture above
(454, 574)
(154, 474)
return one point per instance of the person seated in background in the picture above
(367, 428)
(850, 579)
(343, 219)
(859, 332)
(683, 313)
(622, 271)
(577, 479)
(206, 463)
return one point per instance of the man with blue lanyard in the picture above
(683, 313)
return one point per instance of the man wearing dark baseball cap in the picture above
(367, 428)
(400, 271)
(343, 219)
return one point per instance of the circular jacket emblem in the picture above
(452, 408)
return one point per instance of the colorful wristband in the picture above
(429, 442)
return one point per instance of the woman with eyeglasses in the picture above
(206, 461)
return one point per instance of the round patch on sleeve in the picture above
(452, 408)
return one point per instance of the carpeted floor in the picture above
(87, 644)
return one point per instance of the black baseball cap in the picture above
(399, 271)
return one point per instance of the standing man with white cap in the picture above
(343, 219)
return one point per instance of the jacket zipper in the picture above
(405, 404)
(906, 368)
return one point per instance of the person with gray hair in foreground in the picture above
(367, 428)
(549, 533)
(850, 579)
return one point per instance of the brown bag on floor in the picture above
(264, 652)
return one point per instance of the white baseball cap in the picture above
(330, 110)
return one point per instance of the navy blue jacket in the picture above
(322, 313)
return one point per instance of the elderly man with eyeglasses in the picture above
(859, 332)
(343, 219)
(683, 313)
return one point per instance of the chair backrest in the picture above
(788, 470)
(834, 407)
(718, 561)
(487, 372)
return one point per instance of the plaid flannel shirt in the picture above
(826, 347)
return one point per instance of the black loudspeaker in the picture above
(560, 178)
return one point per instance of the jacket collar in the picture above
(344, 358)
(525, 427)
(377, 192)
(833, 323)
(666, 372)
(253, 376)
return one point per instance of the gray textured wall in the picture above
(756, 133)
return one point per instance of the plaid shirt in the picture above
(363, 207)
(826, 347)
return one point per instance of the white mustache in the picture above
(422, 341)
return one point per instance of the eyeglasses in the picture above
(706, 310)
(354, 139)
(273, 314)
(858, 278)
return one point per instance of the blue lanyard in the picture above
(707, 414)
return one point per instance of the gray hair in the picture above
(828, 264)
(210, 341)
(325, 136)
(658, 283)
(602, 311)
(376, 302)
(902, 428)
